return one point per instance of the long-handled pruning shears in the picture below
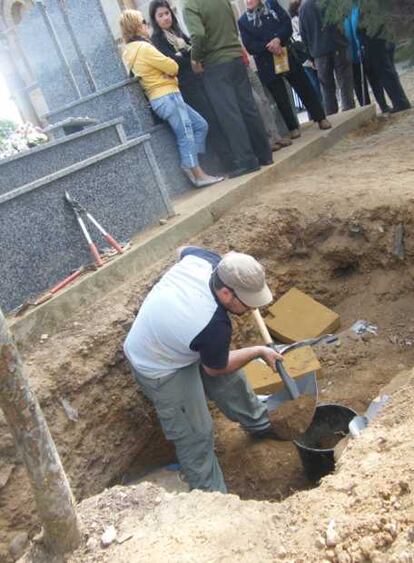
(79, 210)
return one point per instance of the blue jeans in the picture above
(189, 127)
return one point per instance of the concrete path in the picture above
(196, 211)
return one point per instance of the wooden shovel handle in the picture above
(262, 327)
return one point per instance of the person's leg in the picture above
(236, 399)
(222, 94)
(313, 77)
(251, 115)
(344, 78)
(356, 73)
(389, 76)
(279, 92)
(181, 406)
(325, 69)
(200, 128)
(264, 107)
(194, 95)
(190, 131)
(303, 87)
(170, 108)
(377, 88)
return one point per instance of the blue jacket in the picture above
(352, 34)
(256, 38)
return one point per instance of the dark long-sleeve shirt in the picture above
(256, 38)
(182, 58)
(319, 38)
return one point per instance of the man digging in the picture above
(179, 351)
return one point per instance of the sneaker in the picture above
(207, 181)
(295, 134)
(324, 124)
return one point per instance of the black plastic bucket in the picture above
(316, 446)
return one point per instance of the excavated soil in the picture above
(292, 418)
(340, 229)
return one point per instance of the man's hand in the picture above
(270, 356)
(197, 67)
(274, 46)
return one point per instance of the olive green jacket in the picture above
(213, 30)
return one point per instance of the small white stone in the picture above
(108, 536)
(332, 537)
(44, 337)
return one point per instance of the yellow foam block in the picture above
(296, 316)
(298, 362)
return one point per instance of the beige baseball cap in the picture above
(246, 277)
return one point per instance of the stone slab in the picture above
(297, 363)
(297, 316)
(46, 159)
(123, 99)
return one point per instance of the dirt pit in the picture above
(340, 229)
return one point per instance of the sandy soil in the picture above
(334, 229)
(365, 512)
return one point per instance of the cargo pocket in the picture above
(175, 422)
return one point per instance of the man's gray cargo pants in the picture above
(181, 404)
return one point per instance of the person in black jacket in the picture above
(330, 52)
(168, 38)
(265, 29)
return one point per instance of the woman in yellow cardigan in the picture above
(158, 77)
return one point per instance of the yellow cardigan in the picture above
(156, 72)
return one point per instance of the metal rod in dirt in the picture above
(54, 500)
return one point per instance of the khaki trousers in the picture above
(180, 400)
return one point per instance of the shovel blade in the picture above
(306, 385)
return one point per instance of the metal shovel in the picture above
(291, 410)
(359, 423)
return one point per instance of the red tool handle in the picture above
(113, 243)
(95, 255)
(65, 282)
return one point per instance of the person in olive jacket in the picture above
(265, 29)
(217, 54)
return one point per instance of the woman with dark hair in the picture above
(169, 38)
(158, 77)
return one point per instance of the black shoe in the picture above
(266, 162)
(268, 434)
(244, 170)
(400, 108)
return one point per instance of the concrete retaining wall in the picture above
(41, 240)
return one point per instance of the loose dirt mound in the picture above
(365, 512)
